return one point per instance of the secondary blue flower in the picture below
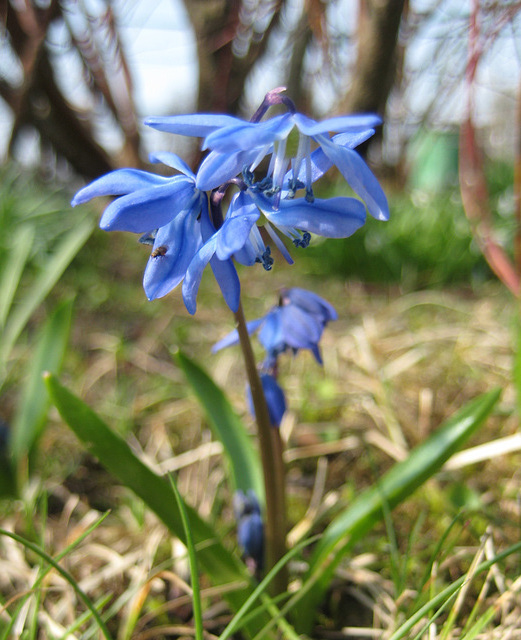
(250, 528)
(172, 213)
(275, 399)
(296, 323)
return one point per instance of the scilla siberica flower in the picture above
(187, 227)
(297, 322)
(172, 215)
(240, 146)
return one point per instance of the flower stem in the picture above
(271, 448)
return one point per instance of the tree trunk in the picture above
(222, 74)
(376, 64)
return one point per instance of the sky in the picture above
(160, 48)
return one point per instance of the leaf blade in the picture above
(33, 404)
(396, 485)
(45, 281)
(243, 460)
(113, 452)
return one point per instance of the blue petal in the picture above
(320, 163)
(353, 123)
(234, 233)
(194, 273)
(271, 335)
(300, 329)
(150, 208)
(332, 218)
(250, 135)
(182, 238)
(250, 535)
(198, 125)
(360, 178)
(275, 399)
(217, 168)
(119, 182)
(242, 204)
(315, 350)
(233, 337)
(312, 303)
(228, 281)
(172, 160)
(224, 271)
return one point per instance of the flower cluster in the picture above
(182, 216)
(297, 322)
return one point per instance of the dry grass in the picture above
(395, 367)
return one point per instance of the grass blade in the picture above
(13, 268)
(192, 558)
(260, 589)
(243, 460)
(47, 278)
(449, 592)
(113, 452)
(44, 571)
(396, 485)
(65, 574)
(33, 404)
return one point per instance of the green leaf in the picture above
(33, 405)
(194, 571)
(113, 452)
(45, 281)
(13, 268)
(243, 460)
(394, 487)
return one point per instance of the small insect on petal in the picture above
(160, 251)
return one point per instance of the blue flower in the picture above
(275, 399)
(237, 144)
(172, 213)
(250, 528)
(218, 248)
(296, 323)
(271, 137)
(336, 217)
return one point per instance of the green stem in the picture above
(271, 448)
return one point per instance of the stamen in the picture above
(279, 168)
(293, 186)
(278, 243)
(248, 176)
(267, 260)
(302, 150)
(260, 157)
(303, 242)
